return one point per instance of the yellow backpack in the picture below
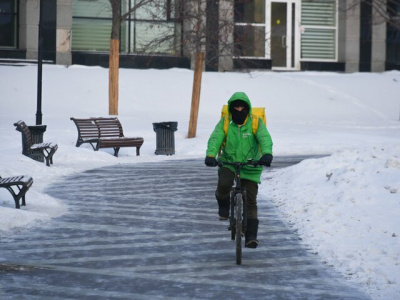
(256, 112)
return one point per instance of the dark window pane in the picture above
(393, 34)
(7, 6)
(8, 23)
(250, 41)
(250, 11)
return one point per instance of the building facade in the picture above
(334, 35)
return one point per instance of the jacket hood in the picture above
(239, 96)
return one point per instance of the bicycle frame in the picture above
(236, 189)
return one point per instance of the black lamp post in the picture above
(39, 74)
(38, 130)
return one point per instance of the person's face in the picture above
(239, 108)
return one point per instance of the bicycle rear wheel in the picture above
(239, 208)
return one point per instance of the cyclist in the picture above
(240, 144)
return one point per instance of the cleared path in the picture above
(148, 231)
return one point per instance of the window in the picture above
(147, 32)
(319, 30)
(91, 26)
(153, 28)
(8, 23)
(249, 32)
(393, 34)
(156, 28)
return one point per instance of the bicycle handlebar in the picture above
(236, 164)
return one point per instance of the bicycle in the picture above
(238, 207)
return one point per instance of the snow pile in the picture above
(346, 208)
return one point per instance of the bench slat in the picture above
(44, 146)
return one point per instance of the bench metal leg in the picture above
(49, 156)
(116, 150)
(18, 196)
(23, 199)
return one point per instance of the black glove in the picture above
(210, 161)
(266, 160)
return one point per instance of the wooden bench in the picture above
(32, 149)
(105, 133)
(22, 183)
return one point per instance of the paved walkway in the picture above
(150, 231)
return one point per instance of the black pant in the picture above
(225, 182)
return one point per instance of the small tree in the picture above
(117, 19)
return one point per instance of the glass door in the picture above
(278, 34)
(283, 29)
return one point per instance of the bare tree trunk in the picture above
(113, 71)
(194, 111)
(113, 77)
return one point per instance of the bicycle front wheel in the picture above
(238, 211)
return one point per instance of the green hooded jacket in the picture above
(241, 143)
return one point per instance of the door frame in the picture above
(292, 33)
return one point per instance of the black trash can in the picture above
(165, 137)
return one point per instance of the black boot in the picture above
(251, 234)
(223, 208)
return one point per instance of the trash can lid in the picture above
(166, 125)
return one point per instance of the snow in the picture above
(346, 205)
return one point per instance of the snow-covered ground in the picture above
(345, 205)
